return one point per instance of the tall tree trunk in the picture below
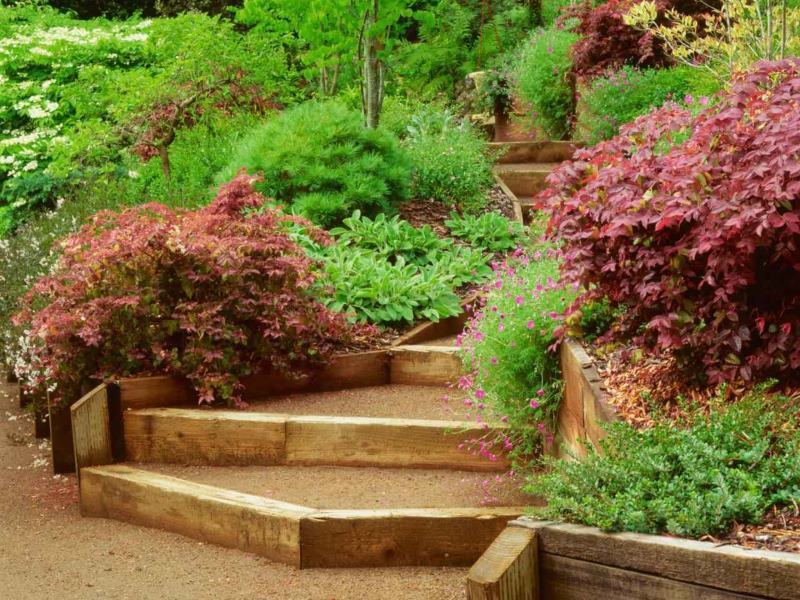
(373, 69)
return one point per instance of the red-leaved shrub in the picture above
(693, 223)
(211, 294)
(607, 42)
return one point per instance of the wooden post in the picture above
(91, 429)
(61, 438)
(509, 568)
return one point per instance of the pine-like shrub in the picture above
(211, 294)
(693, 223)
(320, 159)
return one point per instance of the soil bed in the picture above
(390, 401)
(356, 488)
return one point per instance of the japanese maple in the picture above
(212, 294)
(693, 223)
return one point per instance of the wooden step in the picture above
(528, 152)
(290, 533)
(432, 365)
(230, 437)
(525, 179)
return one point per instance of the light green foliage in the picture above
(388, 272)
(390, 238)
(691, 478)
(490, 231)
(197, 155)
(324, 34)
(321, 160)
(399, 111)
(551, 10)
(434, 65)
(544, 80)
(74, 93)
(385, 293)
(629, 93)
(451, 44)
(507, 350)
(451, 161)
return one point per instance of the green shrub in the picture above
(551, 10)
(75, 94)
(490, 231)
(622, 96)
(514, 374)
(692, 478)
(544, 80)
(321, 160)
(196, 156)
(390, 273)
(451, 161)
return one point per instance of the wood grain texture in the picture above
(224, 437)
(584, 407)
(408, 537)
(523, 152)
(231, 519)
(569, 579)
(360, 441)
(525, 179)
(748, 572)
(357, 369)
(429, 331)
(205, 437)
(425, 365)
(91, 430)
(509, 568)
(62, 448)
(154, 391)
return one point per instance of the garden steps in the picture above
(230, 437)
(299, 465)
(291, 533)
(525, 179)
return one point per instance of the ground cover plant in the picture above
(490, 231)
(320, 160)
(692, 222)
(695, 477)
(209, 294)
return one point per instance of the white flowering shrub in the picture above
(74, 95)
(42, 56)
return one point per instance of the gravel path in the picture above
(349, 487)
(391, 401)
(47, 551)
